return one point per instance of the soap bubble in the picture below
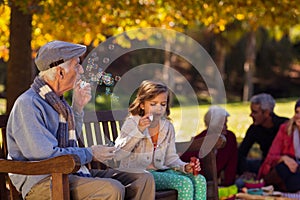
(106, 60)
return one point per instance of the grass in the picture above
(189, 124)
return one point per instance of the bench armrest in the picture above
(58, 167)
(65, 164)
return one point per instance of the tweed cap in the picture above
(57, 52)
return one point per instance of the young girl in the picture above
(147, 141)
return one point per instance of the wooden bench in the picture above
(102, 126)
(99, 127)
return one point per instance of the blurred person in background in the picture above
(225, 148)
(262, 131)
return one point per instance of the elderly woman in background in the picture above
(281, 166)
(225, 147)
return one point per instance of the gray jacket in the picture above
(135, 149)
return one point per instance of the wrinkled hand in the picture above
(190, 166)
(290, 162)
(103, 153)
(144, 122)
(81, 96)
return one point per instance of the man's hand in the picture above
(81, 96)
(103, 153)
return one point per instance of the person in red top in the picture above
(226, 147)
(281, 166)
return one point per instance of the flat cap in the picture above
(57, 52)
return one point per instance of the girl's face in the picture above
(156, 106)
(297, 117)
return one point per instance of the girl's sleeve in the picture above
(129, 137)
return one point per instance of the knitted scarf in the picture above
(66, 134)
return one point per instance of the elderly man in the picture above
(42, 125)
(263, 130)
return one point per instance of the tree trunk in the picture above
(167, 74)
(220, 54)
(19, 73)
(249, 66)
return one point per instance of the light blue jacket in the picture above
(31, 135)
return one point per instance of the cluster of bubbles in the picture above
(95, 75)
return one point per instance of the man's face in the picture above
(258, 115)
(72, 75)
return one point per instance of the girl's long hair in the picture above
(291, 123)
(291, 126)
(148, 90)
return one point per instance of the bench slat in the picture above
(89, 133)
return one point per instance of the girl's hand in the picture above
(290, 162)
(192, 166)
(144, 122)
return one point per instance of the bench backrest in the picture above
(101, 127)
